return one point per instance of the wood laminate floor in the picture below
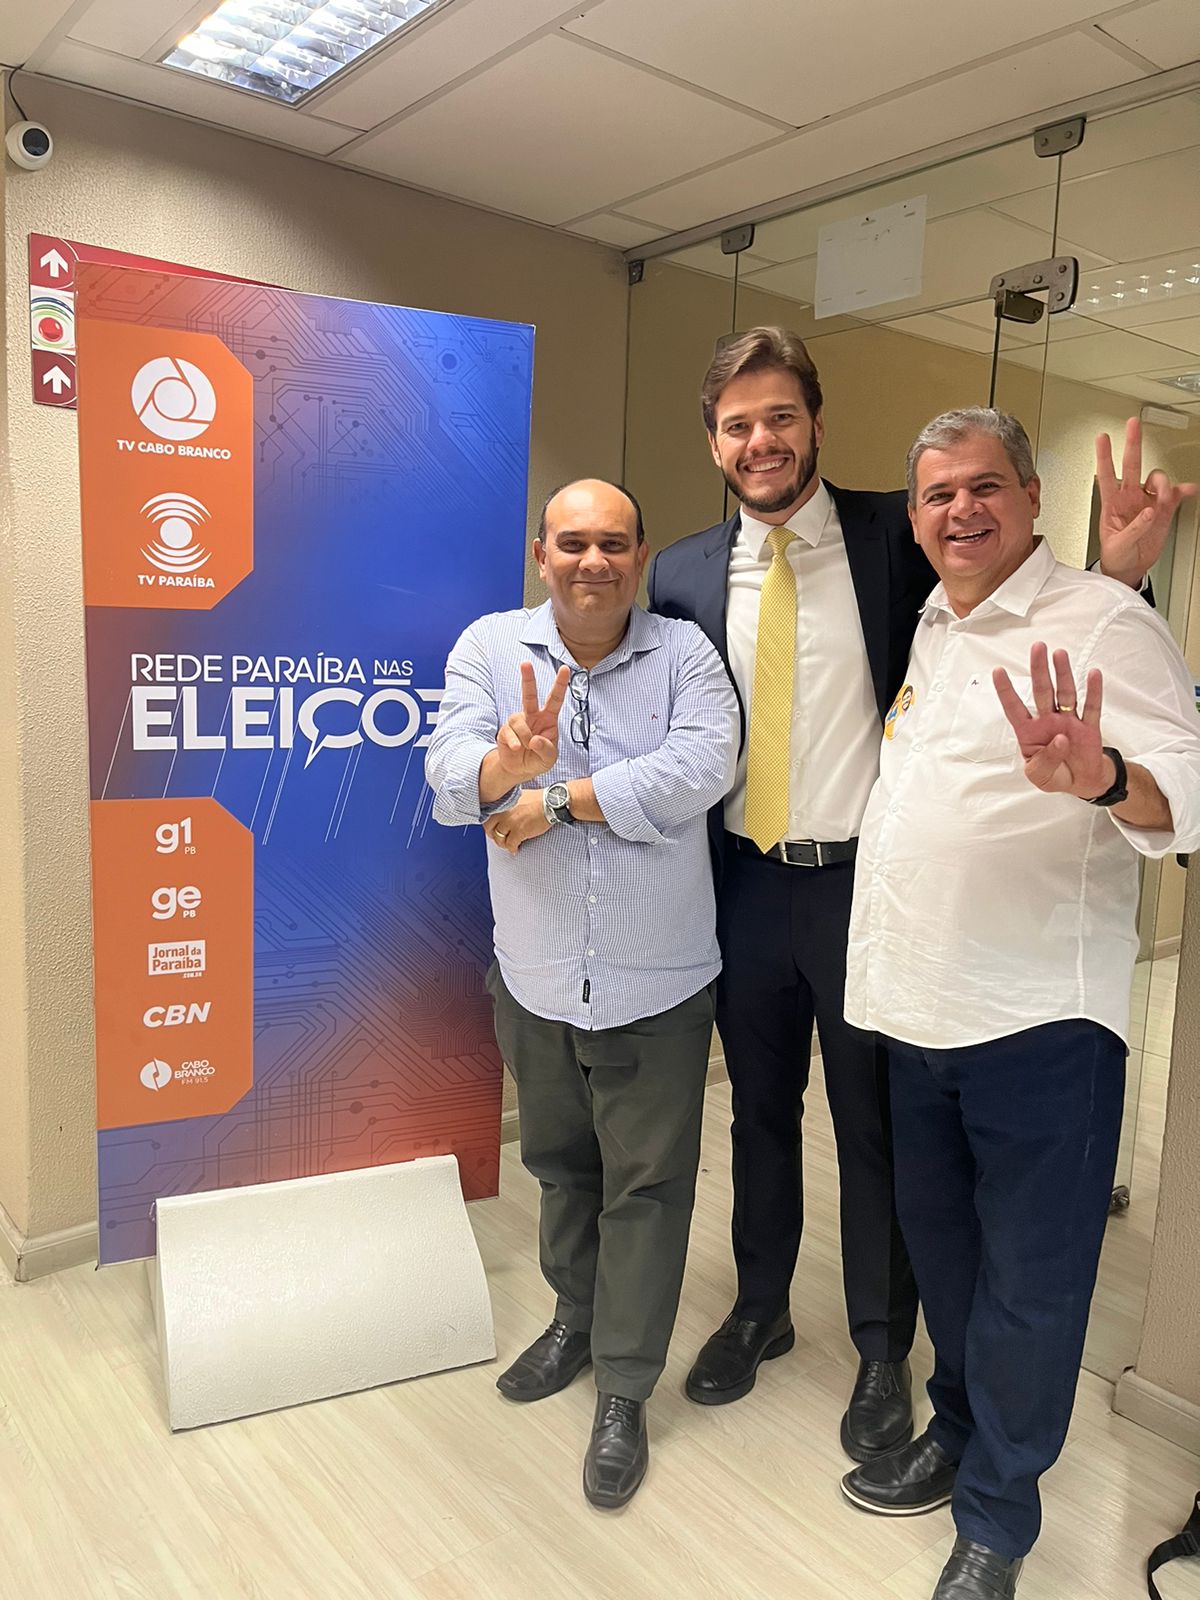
(439, 1490)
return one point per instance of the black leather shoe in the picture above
(974, 1572)
(879, 1416)
(917, 1477)
(619, 1452)
(728, 1364)
(550, 1363)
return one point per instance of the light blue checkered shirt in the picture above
(624, 907)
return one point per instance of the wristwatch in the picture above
(1120, 784)
(556, 803)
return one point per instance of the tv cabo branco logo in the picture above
(167, 467)
(173, 398)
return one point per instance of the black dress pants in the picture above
(783, 934)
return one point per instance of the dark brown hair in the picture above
(759, 350)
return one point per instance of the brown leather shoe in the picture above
(618, 1454)
(552, 1361)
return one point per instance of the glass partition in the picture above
(1125, 204)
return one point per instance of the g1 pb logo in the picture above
(173, 398)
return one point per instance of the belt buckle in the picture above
(799, 844)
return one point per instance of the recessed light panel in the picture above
(286, 49)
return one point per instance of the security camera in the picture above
(29, 144)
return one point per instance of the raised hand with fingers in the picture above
(527, 744)
(1060, 744)
(1135, 517)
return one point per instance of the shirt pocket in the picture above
(980, 732)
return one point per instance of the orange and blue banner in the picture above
(291, 507)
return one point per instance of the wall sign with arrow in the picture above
(52, 266)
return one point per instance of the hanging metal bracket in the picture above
(1057, 278)
(637, 271)
(735, 240)
(1058, 138)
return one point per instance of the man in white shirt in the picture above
(992, 943)
(811, 594)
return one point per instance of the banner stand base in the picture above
(280, 1293)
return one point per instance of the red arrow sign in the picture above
(53, 378)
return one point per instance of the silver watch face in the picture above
(558, 795)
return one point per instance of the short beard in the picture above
(780, 499)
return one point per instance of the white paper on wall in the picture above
(871, 259)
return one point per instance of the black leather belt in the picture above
(797, 852)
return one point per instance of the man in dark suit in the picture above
(811, 594)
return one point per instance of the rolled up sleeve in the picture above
(645, 797)
(1149, 714)
(465, 732)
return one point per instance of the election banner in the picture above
(291, 507)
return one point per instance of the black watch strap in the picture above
(1119, 789)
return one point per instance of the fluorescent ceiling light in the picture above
(285, 48)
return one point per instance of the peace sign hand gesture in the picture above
(527, 744)
(1062, 750)
(1135, 517)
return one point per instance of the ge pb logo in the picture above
(173, 398)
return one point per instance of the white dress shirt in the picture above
(835, 721)
(983, 906)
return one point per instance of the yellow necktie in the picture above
(768, 760)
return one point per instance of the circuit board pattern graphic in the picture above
(390, 487)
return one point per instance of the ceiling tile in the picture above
(134, 27)
(1145, 388)
(1167, 33)
(963, 253)
(493, 139)
(1184, 335)
(1148, 208)
(1029, 81)
(710, 258)
(953, 186)
(453, 41)
(25, 24)
(195, 97)
(623, 232)
(1113, 354)
(805, 62)
(943, 330)
(981, 314)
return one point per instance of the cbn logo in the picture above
(173, 398)
(176, 1016)
(156, 1075)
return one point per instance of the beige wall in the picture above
(140, 181)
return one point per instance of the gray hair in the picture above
(952, 427)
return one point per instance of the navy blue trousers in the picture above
(1005, 1154)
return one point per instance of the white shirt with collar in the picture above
(983, 906)
(835, 721)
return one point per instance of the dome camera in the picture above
(29, 144)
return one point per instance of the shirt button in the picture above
(938, 687)
(918, 748)
(591, 952)
(591, 899)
